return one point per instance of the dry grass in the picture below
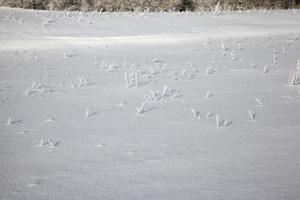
(143, 5)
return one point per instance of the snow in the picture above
(149, 105)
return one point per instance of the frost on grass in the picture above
(275, 58)
(37, 89)
(50, 143)
(259, 102)
(233, 56)
(222, 122)
(294, 76)
(266, 69)
(110, 67)
(140, 109)
(210, 71)
(208, 94)
(159, 67)
(252, 115)
(212, 92)
(187, 73)
(162, 95)
(68, 54)
(10, 121)
(196, 114)
(83, 83)
(89, 112)
(136, 78)
(223, 46)
(47, 21)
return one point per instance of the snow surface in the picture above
(149, 106)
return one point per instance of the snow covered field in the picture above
(149, 106)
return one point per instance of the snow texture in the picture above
(125, 106)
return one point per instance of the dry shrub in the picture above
(135, 5)
(142, 5)
(64, 5)
(243, 4)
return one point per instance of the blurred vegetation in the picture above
(148, 5)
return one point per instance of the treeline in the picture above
(147, 5)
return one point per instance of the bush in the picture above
(64, 5)
(244, 4)
(185, 5)
(142, 5)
